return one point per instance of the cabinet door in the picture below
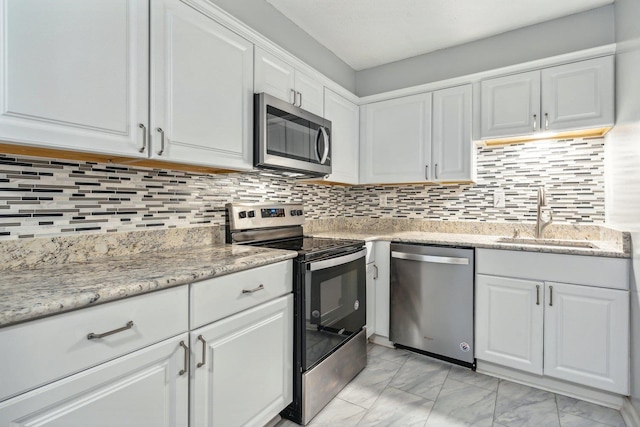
(310, 94)
(202, 88)
(80, 81)
(452, 149)
(396, 140)
(510, 105)
(383, 261)
(274, 76)
(587, 336)
(345, 119)
(141, 389)
(372, 275)
(246, 376)
(509, 316)
(578, 95)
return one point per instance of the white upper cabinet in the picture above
(202, 88)
(569, 97)
(74, 75)
(345, 129)
(578, 95)
(279, 79)
(510, 106)
(396, 140)
(452, 151)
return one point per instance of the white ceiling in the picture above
(367, 33)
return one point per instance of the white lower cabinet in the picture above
(382, 291)
(509, 321)
(586, 336)
(573, 332)
(142, 389)
(243, 366)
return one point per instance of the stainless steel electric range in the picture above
(329, 301)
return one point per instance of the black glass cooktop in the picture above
(314, 247)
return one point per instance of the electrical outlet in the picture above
(498, 199)
(384, 201)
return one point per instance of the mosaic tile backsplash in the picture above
(42, 197)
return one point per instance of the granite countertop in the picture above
(27, 294)
(601, 248)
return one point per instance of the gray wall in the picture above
(622, 160)
(576, 32)
(267, 20)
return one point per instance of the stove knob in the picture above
(252, 214)
(299, 212)
(294, 212)
(242, 214)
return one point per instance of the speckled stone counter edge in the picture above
(609, 242)
(29, 253)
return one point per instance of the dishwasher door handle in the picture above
(430, 258)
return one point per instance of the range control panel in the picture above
(244, 216)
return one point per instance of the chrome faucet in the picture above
(540, 223)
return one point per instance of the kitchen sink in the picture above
(546, 242)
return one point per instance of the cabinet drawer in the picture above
(220, 297)
(577, 269)
(44, 350)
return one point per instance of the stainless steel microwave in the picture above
(289, 138)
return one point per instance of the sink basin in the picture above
(546, 242)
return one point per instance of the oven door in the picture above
(335, 304)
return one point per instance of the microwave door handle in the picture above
(326, 145)
(334, 262)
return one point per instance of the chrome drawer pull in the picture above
(161, 141)
(204, 352)
(186, 358)
(129, 325)
(144, 137)
(250, 291)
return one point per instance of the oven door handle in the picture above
(334, 262)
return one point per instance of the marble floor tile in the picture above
(395, 407)
(422, 376)
(522, 406)
(364, 389)
(402, 388)
(591, 411)
(338, 413)
(461, 405)
(569, 420)
(468, 376)
(390, 354)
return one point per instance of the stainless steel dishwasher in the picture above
(432, 301)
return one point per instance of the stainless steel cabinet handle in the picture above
(250, 291)
(436, 170)
(186, 359)
(426, 172)
(546, 121)
(204, 352)
(300, 100)
(550, 296)
(293, 92)
(430, 258)
(92, 336)
(144, 137)
(161, 141)
(537, 294)
(375, 275)
(535, 122)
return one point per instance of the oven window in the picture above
(334, 308)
